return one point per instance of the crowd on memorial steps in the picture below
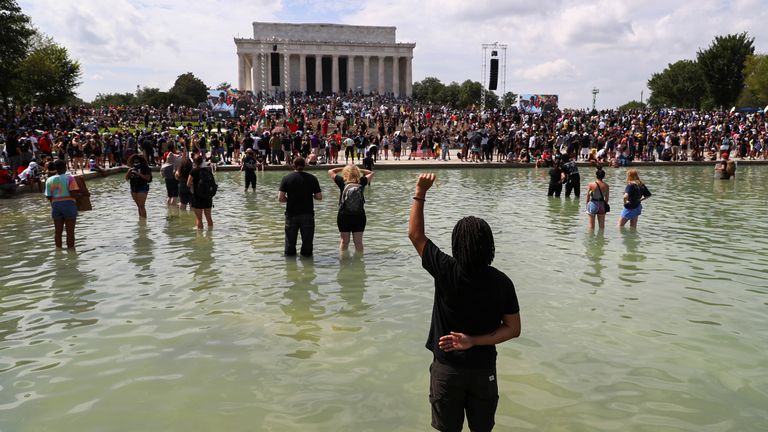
(347, 128)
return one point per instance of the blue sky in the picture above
(555, 46)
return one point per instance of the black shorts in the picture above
(172, 187)
(185, 195)
(350, 223)
(452, 391)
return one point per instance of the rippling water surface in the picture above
(153, 326)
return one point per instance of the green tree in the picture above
(47, 75)
(190, 86)
(633, 106)
(127, 99)
(722, 66)
(492, 100)
(16, 32)
(428, 90)
(450, 94)
(755, 91)
(469, 94)
(508, 100)
(680, 85)
(224, 86)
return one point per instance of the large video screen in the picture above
(538, 103)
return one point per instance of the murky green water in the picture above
(155, 327)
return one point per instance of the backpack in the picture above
(351, 200)
(206, 186)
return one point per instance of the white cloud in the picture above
(559, 68)
(555, 46)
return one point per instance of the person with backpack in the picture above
(203, 186)
(249, 166)
(351, 215)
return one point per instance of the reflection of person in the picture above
(475, 308)
(139, 176)
(61, 190)
(635, 193)
(351, 216)
(297, 190)
(597, 198)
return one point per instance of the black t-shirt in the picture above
(299, 188)
(555, 175)
(473, 304)
(137, 181)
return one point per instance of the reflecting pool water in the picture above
(154, 326)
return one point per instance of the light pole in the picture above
(595, 91)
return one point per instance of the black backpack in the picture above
(206, 186)
(351, 200)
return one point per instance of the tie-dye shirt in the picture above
(58, 187)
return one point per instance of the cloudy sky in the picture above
(555, 47)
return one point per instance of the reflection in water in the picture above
(206, 274)
(302, 311)
(563, 214)
(631, 240)
(595, 249)
(68, 289)
(352, 279)
(143, 252)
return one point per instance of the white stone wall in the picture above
(324, 32)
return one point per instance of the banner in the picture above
(538, 103)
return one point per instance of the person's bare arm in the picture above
(281, 197)
(416, 222)
(318, 196)
(334, 171)
(509, 329)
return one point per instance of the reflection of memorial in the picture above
(324, 58)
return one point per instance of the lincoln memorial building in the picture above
(324, 58)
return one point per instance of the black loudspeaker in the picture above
(274, 60)
(493, 82)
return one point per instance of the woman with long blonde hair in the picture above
(635, 193)
(350, 218)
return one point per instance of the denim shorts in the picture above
(64, 209)
(631, 213)
(596, 207)
(140, 189)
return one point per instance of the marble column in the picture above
(381, 86)
(268, 71)
(253, 73)
(396, 76)
(366, 74)
(335, 73)
(302, 73)
(286, 84)
(350, 73)
(318, 73)
(241, 71)
(408, 77)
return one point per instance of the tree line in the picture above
(33, 67)
(459, 96)
(727, 73)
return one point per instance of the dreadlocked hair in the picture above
(472, 244)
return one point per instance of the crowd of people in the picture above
(325, 129)
(466, 323)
